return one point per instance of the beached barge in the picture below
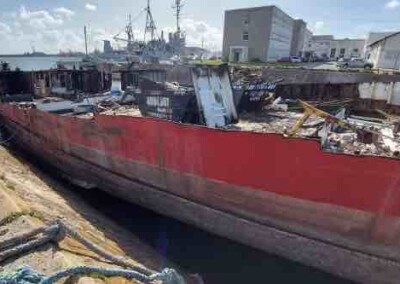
(336, 212)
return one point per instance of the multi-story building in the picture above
(268, 34)
(307, 39)
(298, 37)
(261, 34)
(319, 46)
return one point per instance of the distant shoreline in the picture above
(38, 55)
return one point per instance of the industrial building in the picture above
(327, 47)
(264, 34)
(346, 48)
(372, 38)
(385, 53)
(267, 34)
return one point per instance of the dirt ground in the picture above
(30, 199)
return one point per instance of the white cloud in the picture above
(318, 27)
(197, 31)
(4, 28)
(64, 12)
(41, 19)
(46, 30)
(90, 7)
(393, 4)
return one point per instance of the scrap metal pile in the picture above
(331, 121)
(338, 133)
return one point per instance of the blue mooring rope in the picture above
(26, 275)
(23, 275)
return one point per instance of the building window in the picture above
(355, 50)
(333, 52)
(246, 20)
(342, 52)
(245, 36)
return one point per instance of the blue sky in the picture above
(51, 25)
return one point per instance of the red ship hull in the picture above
(339, 213)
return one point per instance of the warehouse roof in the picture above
(385, 38)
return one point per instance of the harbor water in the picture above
(32, 63)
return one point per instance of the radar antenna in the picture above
(178, 8)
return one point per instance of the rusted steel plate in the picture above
(268, 162)
(337, 259)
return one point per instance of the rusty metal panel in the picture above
(270, 162)
(270, 178)
(155, 100)
(15, 83)
(250, 95)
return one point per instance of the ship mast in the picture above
(85, 32)
(129, 29)
(178, 36)
(150, 24)
(129, 33)
(178, 7)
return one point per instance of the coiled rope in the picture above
(28, 241)
(26, 275)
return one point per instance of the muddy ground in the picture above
(30, 199)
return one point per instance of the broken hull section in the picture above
(335, 212)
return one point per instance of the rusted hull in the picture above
(338, 213)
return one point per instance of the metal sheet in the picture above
(156, 101)
(269, 162)
(214, 95)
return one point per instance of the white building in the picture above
(326, 47)
(307, 39)
(319, 46)
(385, 53)
(300, 32)
(264, 34)
(347, 48)
(374, 37)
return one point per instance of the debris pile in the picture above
(370, 140)
(268, 121)
(128, 110)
